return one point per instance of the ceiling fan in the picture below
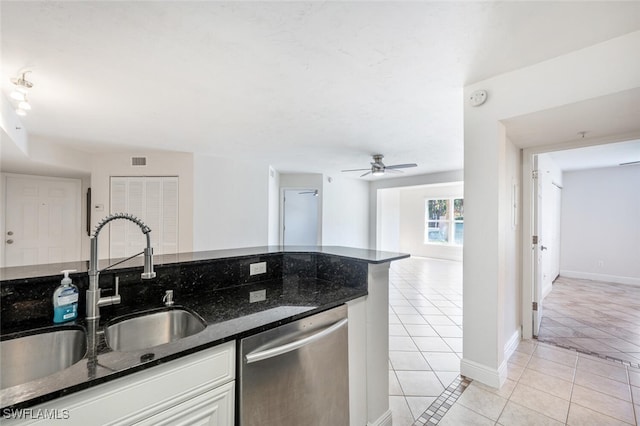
(378, 168)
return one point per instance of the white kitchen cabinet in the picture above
(212, 408)
(195, 389)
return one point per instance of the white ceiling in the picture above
(306, 86)
(593, 157)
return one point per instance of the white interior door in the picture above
(537, 232)
(547, 249)
(42, 220)
(300, 217)
(554, 240)
(550, 234)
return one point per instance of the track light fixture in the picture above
(19, 93)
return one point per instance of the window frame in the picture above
(451, 221)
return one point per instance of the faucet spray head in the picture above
(148, 264)
(148, 272)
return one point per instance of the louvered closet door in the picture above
(155, 201)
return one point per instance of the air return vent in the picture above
(138, 161)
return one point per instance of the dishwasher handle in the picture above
(292, 346)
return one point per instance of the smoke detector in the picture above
(478, 97)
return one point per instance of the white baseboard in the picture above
(600, 277)
(383, 420)
(482, 373)
(511, 345)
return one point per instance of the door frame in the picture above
(296, 188)
(528, 255)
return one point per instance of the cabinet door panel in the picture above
(212, 408)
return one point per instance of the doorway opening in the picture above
(300, 217)
(584, 266)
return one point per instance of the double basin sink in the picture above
(50, 350)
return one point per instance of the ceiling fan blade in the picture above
(368, 173)
(402, 166)
(355, 170)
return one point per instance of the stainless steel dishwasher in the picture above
(297, 374)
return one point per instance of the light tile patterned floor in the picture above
(425, 333)
(548, 385)
(593, 316)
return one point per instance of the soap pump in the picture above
(65, 300)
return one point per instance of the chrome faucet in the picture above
(94, 301)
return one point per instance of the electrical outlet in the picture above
(257, 296)
(258, 268)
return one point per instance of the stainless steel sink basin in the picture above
(152, 328)
(40, 354)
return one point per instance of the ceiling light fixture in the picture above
(24, 105)
(19, 93)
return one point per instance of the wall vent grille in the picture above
(138, 161)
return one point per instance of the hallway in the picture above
(593, 317)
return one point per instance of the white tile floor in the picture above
(425, 333)
(593, 316)
(546, 385)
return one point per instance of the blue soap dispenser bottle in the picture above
(65, 300)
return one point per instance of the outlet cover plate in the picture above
(258, 268)
(257, 296)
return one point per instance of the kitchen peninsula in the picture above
(237, 293)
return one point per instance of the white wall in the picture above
(513, 264)
(412, 221)
(345, 214)
(388, 227)
(13, 130)
(274, 207)
(376, 185)
(605, 68)
(3, 230)
(600, 224)
(230, 203)
(343, 204)
(105, 165)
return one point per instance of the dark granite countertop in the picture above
(228, 315)
(300, 281)
(53, 269)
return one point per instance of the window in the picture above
(444, 221)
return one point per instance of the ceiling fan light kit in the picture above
(378, 168)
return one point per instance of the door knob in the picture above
(10, 233)
(9, 241)
(543, 248)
